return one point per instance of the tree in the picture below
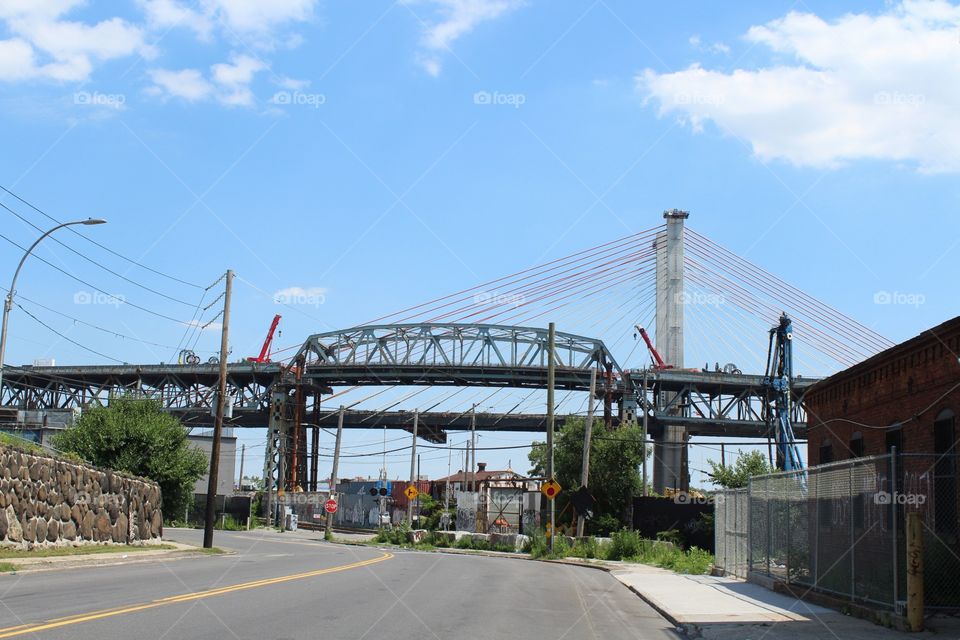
(747, 465)
(137, 436)
(615, 457)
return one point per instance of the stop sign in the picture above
(330, 506)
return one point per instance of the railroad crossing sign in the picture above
(411, 492)
(330, 506)
(550, 489)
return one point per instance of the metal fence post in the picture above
(893, 519)
(789, 549)
(769, 529)
(853, 553)
(749, 526)
(816, 525)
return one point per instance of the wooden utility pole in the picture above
(588, 427)
(413, 465)
(914, 570)
(643, 437)
(218, 424)
(328, 530)
(551, 375)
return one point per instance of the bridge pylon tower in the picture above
(669, 451)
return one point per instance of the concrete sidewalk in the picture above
(726, 608)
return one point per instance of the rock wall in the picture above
(52, 502)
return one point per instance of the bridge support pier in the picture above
(669, 459)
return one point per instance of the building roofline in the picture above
(875, 360)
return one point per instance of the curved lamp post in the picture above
(8, 302)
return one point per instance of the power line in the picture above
(104, 247)
(94, 262)
(95, 288)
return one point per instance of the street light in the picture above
(8, 302)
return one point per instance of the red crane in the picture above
(658, 363)
(265, 350)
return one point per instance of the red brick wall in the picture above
(890, 387)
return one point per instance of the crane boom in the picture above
(778, 380)
(265, 350)
(659, 364)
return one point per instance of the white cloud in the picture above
(188, 84)
(254, 22)
(314, 296)
(252, 16)
(45, 45)
(457, 18)
(229, 83)
(169, 14)
(863, 86)
(716, 47)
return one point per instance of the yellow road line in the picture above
(56, 623)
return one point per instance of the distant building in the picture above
(228, 460)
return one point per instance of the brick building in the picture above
(906, 397)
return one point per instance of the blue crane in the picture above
(778, 380)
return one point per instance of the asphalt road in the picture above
(286, 586)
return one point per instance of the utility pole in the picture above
(473, 448)
(588, 427)
(413, 464)
(328, 532)
(243, 451)
(644, 437)
(551, 375)
(218, 424)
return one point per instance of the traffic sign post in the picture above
(411, 492)
(551, 488)
(330, 506)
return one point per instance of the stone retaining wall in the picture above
(52, 502)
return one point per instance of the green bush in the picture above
(586, 548)
(624, 545)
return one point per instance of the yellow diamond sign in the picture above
(550, 489)
(411, 492)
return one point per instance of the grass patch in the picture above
(212, 551)
(6, 567)
(627, 546)
(52, 552)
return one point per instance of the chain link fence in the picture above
(731, 524)
(840, 528)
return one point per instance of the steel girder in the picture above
(451, 354)
(177, 387)
(710, 403)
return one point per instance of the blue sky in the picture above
(368, 156)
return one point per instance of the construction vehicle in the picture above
(778, 380)
(265, 350)
(658, 363)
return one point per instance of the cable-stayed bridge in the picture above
(700, 301)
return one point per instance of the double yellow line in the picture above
(56, 623)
